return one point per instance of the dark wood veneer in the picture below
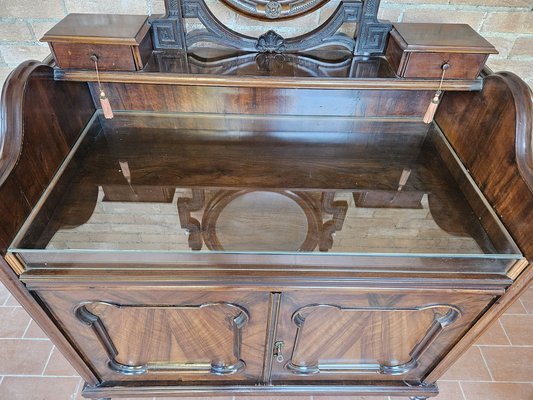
(110, 57)
(418, 50)
(491, 132)
(231, 100)
(120, 42)
(511, 295)
(41, 120)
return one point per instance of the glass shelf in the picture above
(261, 185)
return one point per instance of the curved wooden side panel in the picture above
(40, 121)
(492, 133)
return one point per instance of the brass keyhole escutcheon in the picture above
(278, 348)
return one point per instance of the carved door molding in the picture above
(86, 313)
(444, 315)
(370, 334)
(261, 336)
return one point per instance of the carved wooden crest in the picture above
(169, 32)
(271, 42)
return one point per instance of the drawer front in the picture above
(370, 334)
(78, 55)
(147, 334)
(429, 65)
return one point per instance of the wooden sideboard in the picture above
(270, 216)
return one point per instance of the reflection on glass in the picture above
(259, 220)
(206, 61)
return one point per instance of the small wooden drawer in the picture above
(420, 50)
(121, 42)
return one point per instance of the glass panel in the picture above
(262, 184)
(321, 63)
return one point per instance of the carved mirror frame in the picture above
(370, 37)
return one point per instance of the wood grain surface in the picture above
(331, 335)
(232, 100)
(99, 29)
(490, 131)
(41, 120)
(152, 332)
(143, 325)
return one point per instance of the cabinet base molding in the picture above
(386, 389)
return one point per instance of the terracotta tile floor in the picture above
(499, 367)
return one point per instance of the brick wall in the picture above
(508, 24)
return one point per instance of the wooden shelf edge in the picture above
(268, 82)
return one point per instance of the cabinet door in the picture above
(370, 335)
(145, 334)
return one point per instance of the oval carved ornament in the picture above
(267, 9)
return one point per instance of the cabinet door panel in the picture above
(138, 334)
(201, 338)
(371, 335)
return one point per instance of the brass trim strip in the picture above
(360, 389)
(517, 268)
(16, 265)
(272, 331)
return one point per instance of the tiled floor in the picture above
(499, 367)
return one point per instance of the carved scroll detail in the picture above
(371, 35)
(338, 210)
(271, 42)
(185, 207)
(238, 322)
(169, 31)
(224, 197)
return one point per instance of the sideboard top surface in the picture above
(432, 37)
(257, 184)
(99, 28)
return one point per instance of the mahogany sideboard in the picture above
(264, 215)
